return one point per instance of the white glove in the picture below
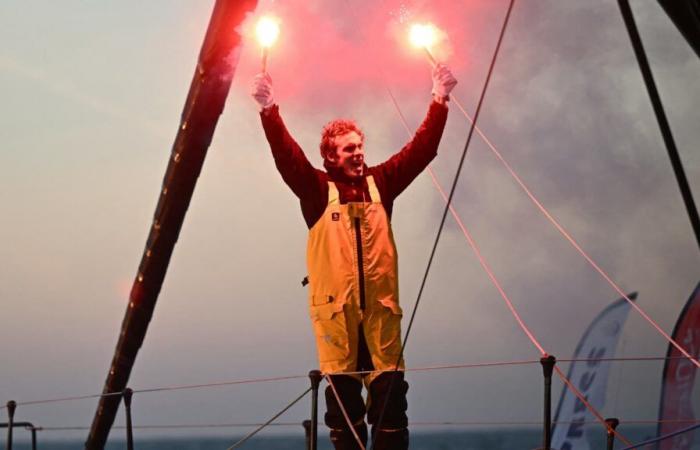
(443, 81)
(261, 90)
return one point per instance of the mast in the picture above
(209, 88)
(661, 117)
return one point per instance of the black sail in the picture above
(686, 15)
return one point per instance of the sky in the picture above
(91, 99)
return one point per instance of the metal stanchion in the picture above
(315, 376)
(128, 393)
(547, 369)
(611, 423)
(11, 406)
(307, 433)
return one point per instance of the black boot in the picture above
(344, 439)
(388, 401)
(349, 390)
(390, 439)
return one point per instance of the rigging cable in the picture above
(515, 313)
(554, 222)
(351, 426)
(444, 217)
(272, 419)
(584, 399)
(509, 303)
(472, 243)
(572, 241)
(664, 437)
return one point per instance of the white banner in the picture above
(589, 377)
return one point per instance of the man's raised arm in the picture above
(291, 162)
(402, 168)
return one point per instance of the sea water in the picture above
(492, 439)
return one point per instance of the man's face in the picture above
(349, 154)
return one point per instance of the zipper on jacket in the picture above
(360, 269)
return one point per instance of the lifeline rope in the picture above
(441, 367)
(444, 214)
(65, 399)
(221, 383)
(366, 372)
(512, 363)
(272, 419)
(160, 389)
(572, 241)
(176, 426)
(351, 426)
(661, 438)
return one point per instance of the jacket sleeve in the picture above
(403, 167)
(296, 170)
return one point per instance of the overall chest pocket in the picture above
(330, 328)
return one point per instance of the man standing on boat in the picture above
(352, 260)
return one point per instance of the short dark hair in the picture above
(337, 127)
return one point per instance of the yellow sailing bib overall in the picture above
(353, 279)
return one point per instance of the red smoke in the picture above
(333, 51)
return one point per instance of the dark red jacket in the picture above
(391, 177)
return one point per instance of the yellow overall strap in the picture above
(373, 191)
(333, 195)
